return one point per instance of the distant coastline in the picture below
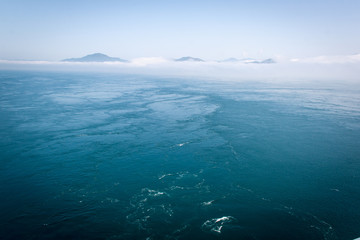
(100, 57)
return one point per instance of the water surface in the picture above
(101, 156)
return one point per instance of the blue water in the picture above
(110, 156)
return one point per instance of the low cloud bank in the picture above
(340, 59)
(339, 69)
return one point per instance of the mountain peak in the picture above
(95, 57)
(189, 59)
(230, 60)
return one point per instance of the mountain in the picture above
(189, 59)
(251, 60)
(96, 57)
(230, 60)
(269, 60)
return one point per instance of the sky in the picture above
(55, 30)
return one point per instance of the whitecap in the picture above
(181, 144)
(215, 225)
(207, 203)
(149, 205)
(153, 193)
(176, 187)
(165, 175)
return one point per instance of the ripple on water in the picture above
(149, 208)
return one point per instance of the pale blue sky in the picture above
(53, 30)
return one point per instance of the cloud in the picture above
(340, 69)
(144, 61)
(339, 59)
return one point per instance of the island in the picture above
(189, 59)
(96, 57)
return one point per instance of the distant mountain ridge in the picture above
(96, 57)
(189, 59)
(100, 57)
(230, 60)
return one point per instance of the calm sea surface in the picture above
(106, 156)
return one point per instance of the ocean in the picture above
(120, 156)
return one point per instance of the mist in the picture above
(339, 70)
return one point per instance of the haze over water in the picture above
(116, 156)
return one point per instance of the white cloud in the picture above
(144, 61)
(339, 59)
(340, 69)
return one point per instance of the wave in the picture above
(215, 225)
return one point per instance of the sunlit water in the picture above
(99, 156)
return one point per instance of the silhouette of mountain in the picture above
(189, 59)
(96, 57)
(230, 60)
(269, 60)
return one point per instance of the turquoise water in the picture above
(101, 156)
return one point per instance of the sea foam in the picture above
(215, 225)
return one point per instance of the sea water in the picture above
(113, 156)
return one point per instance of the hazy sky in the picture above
(53, 30)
